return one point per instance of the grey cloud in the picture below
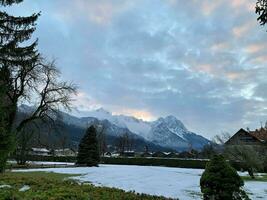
(160, 57)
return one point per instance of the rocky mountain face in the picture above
(172, 133)
(165, 133)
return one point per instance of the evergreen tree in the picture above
(6, 139)
(88, 153)
(221, 181)
(7, 112)
(14, 57)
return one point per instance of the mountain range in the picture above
(165, 133)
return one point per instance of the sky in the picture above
(201, 61)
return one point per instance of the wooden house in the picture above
(243, 137)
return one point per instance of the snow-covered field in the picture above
(164, 181)
(44, 163)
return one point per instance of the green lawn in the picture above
(52, 186)
(262, 178)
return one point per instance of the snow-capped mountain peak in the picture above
(100, 113)
(167, 132)
(25, 109)
(174, 123)
(103, 111)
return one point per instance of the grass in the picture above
(262, 178)
(53, 186)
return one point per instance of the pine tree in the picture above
(14, 31)
(221, 181)
(6, 139)
(88, 153)
(7, 112)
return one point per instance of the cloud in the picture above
(202, 61)
(100, 12)
(209, 7)
(240, 4)
(244, 29)
(139, 114)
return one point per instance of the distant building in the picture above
(159, 154)
(65, 152)
(128, 154)
(107, 154)
(243, 137)
(146, 154)
(39, 152)
(186, 154)
(115, 154)
(171, 155)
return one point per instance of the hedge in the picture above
(167, 162)
(50, 158)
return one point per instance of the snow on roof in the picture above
(41, 150)
(61, 150)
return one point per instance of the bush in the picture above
(221, 181)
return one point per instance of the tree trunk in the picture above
(250, 172)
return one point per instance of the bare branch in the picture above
(52, 94)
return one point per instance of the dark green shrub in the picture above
(221, 181)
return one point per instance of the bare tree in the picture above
(222, 138)
(101, 136)
(23, 146)
(121, 144)
(40, 84)
(25, 76)
(125, 143)
(249, 157)
(131, 143)
(50, 94)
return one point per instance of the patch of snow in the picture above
(50, 163)
(5, 186)
(11, 161)
(161, 181)
(24, 188)
(43, 163)
(256, 189)
(44, 150)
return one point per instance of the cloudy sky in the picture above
(202, 61)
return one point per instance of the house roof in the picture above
(260, 134)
